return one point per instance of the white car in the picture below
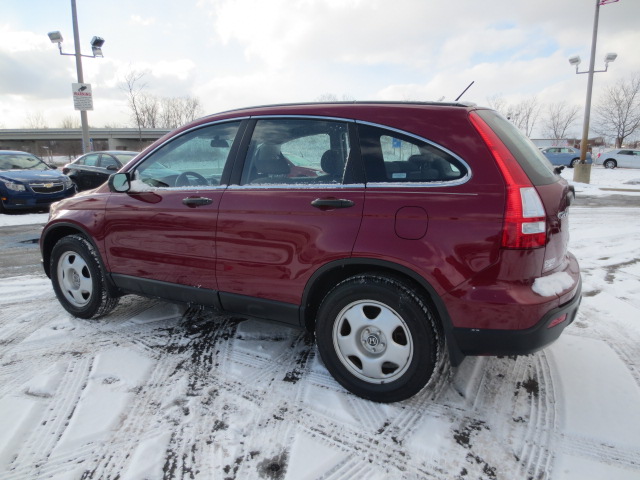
(622, 157)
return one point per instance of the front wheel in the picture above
(609, 164)
(377, 338)
(78, 279)
(574, 162)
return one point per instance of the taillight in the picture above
(525, 223)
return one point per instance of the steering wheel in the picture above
(183, 180)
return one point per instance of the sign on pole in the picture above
(82, 96)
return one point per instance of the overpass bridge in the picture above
(48, 142)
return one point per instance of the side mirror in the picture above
(120, 182)
(113, 167)
(51, 165)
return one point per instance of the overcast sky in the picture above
(235, 53)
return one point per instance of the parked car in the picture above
(566, 156)
(622, 157)
(27, 182)
(429, 227)
(93, 169)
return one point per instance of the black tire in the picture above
(574, 162)
(610, 163)
(78, 278)
(377, 338)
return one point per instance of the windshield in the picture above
(21, 161)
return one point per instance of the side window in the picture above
(391, 157)
(91, 160)
(108, 161)
(195, 159)
(296, 151)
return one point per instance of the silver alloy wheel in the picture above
(75, 279)
(372, 341)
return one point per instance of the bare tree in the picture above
(523, 114)
(176, 111)
(617, 114)
(332, 97)
(35, 121)
(133, 88)
(559, 118)
(498, 103)
(148, 110)
(70, 122)
(151, 111)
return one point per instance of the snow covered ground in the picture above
(158, 391)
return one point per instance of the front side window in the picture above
(108, 161)
(91, 160)
(194, 160)
(391, 157)
(296, 151)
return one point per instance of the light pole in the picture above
(582, 172)
(96, 47)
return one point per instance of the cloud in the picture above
(138, 20)
(233, 53)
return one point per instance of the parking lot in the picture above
(155, 390)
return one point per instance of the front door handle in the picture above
(329, 203)
(197, 201)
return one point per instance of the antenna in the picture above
(463, 92)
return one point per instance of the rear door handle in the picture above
(197, 201)
(329, 203)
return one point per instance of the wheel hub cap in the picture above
(75, 279)
(373, 340)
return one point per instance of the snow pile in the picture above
(553, 284)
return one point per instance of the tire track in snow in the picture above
(535, 454)
(613, 454)
(36, 450)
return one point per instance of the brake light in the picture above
(525, 223)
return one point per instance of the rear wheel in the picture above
(377, 338)
(610, 163)
(78, 279)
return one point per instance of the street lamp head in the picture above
(55, 37)
(575, 60)
(97, 42)
(96, 46)
(610, 57)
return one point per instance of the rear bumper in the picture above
(472, 341)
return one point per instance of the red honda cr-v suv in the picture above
(411, 230)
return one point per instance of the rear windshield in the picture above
(533, 162)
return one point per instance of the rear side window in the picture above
(391, 157)
(533, 162)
